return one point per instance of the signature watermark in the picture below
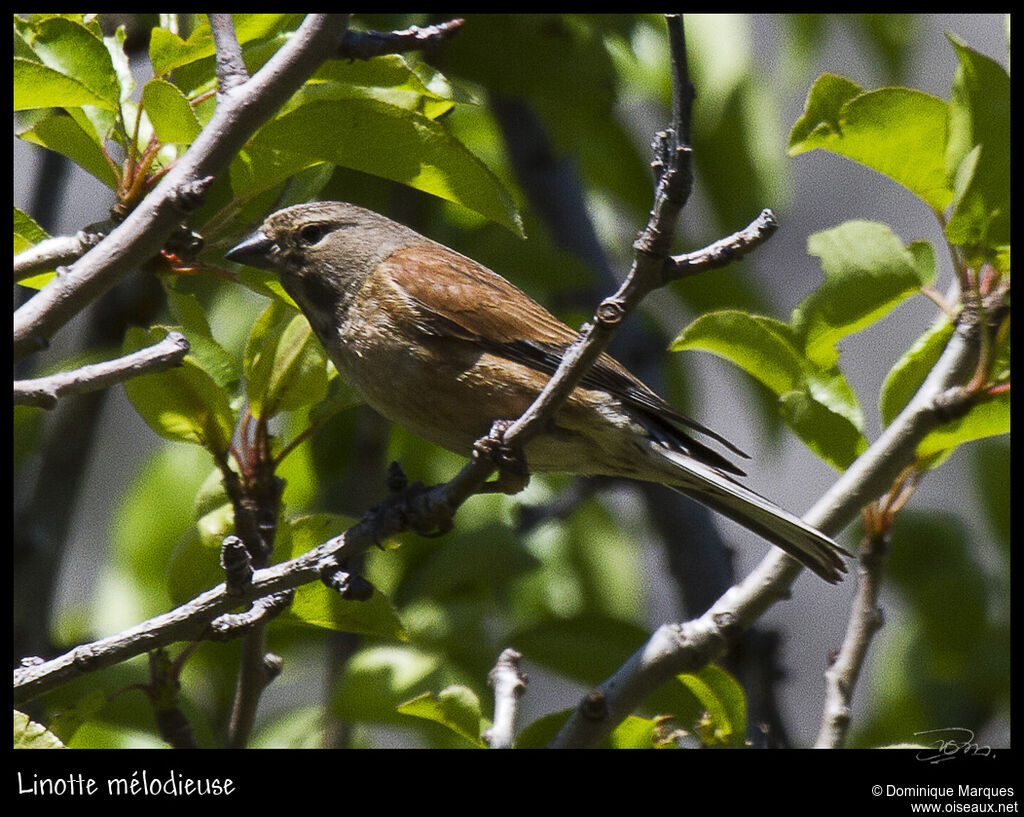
(950, 742)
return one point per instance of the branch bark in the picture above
(141, 235)
(45, 391)
(686, 647)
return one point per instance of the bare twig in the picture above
(51, 253)
(45, 391)
(652, 247)
(363, 45)
(724, 251)
(509, 683)
(865, 620)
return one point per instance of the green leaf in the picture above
(65, 135)
(173, 119)
(195, 563)
(168, 51)
(723, 698)
(31, 735)
(586, 648)
(543, 730)
(387, 78)
(635, 733)
(119, 60)
(317, 605)
(391, 142)
(65, 723)
(868, 272)
(285, 365)
(26, 232)
(763, 347)
(72, 50)
(455, 707)
(899, 132)
(815, 401)
(257, 169)
(978, 153)
(989, 418)
(184, 404)
(378, 678)
(910, 371)
(39, 86)
(831, 436)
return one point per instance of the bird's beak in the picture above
(256, 251)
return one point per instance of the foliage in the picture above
(374, 131)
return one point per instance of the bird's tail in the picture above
(808, 546)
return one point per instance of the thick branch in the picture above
(240, 111)
(676, 648)
(45, 391)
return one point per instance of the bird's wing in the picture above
(470, 302)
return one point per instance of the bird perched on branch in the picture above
(444, 347)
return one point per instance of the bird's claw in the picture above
(513, 474)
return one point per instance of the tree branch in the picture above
(724, 251)
(51, 253)
(364, 45)
(45, 391)
(865, 621)
(241, 110)
(509, 684)
(686, 647)
(231, 70)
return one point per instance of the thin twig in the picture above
(509, 683)
(364, 45)
(51, 253)
(724, 251)
(865, 620)
(45, 391)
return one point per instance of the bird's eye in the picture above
(312, 233)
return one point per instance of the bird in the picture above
(444, 347)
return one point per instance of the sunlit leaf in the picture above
(978, 153)
(172, 117)
(725, 703)
(285, 365)
(395, 143)
(455, 707)
(65, 135)
(868, 272)
(899, 132)
(185, 403)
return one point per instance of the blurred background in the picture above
(572, 573)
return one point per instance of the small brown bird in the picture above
(444, 347)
